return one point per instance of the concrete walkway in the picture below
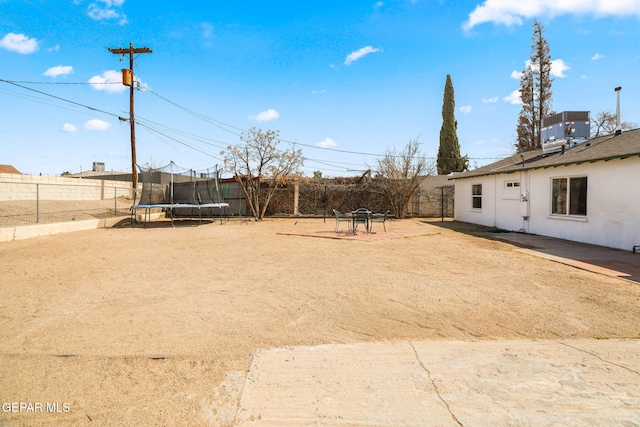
(611, 262)
(487, 383)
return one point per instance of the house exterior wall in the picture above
(613, 203)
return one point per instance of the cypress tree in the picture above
(449, 158)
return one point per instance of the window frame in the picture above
(564, 190)
(476, 196)
(511, 190)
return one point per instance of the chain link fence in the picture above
(40, 203)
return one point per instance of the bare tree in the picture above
(400, 174)
(605, 124)
(260, 167)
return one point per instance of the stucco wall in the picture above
(613, 203)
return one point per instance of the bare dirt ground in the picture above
(157, 326)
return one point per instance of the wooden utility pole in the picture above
(129, 81)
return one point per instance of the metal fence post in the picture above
(37, 203)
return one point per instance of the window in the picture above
(569, 196)
(511, 190)
(476, 196)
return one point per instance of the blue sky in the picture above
(344, 79)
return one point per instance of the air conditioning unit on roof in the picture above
(566, 125)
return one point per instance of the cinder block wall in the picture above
(29, 187)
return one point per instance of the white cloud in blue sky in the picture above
(107, 10)
(69, 128)
(265, 116)
(97, 124)
(558, 69)
(513, 97)
(321, 64)
(512, 12)
(109, 81)
(354, 56)
(207, 29)
(60, 70)
(327, 143)
(19, 43)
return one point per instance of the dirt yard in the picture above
(157, 326)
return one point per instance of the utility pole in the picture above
(128, 80)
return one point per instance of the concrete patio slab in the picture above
(487, 383)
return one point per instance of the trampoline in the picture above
(179, 193)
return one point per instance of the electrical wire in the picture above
(60, 98)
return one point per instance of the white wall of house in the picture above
(613, 203)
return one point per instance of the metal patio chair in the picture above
(361, 216)
(379, 218)
(342, 218)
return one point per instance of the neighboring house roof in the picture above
(603, 148)
(8, 169)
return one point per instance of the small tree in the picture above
(449, 158)
(260, 167)
(605, 124)
(400, 174)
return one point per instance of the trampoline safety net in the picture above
(180, 192)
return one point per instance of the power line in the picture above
(217, 123)
(64, 83)
(59, 98)
(178, 141)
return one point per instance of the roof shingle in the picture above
(603, 148)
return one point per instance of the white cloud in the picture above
(466, 109)
(327, 143)
(207, 29)
(596, 57)
(265, 116)
(378, 5)
(109, 81)
(584, 77)
(558, 67)
(512, 12)
(60, 70)
(19, 43)
(513, 97)
(96, 124)
(354, 56)
(490, 100)
(107, 10)
(317, 92)
(67, 127)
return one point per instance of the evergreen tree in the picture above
(449, 158)
(535, 92)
